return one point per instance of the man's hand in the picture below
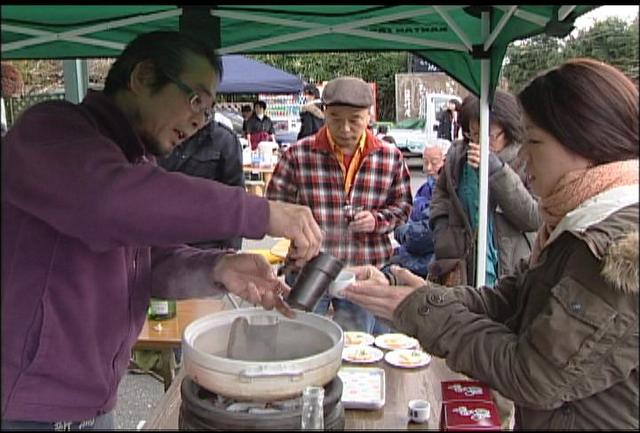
(296, 223)
(251, 277)
(363, 222)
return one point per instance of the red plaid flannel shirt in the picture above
(308, 173)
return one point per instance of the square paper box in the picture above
(469, 415)
(454, 390)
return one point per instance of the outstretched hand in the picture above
(251, 277)
(373, 292)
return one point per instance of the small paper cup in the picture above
(342, 281)
(419, 411)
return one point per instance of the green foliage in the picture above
(370, 66)
(612, 40)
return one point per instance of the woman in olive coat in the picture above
(558, 337)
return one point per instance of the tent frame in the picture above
(76, 86)
(319, 29)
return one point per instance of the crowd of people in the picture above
(137, 192)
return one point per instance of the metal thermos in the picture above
(313, 281)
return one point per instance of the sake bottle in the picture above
(312, 408)
(162, 309)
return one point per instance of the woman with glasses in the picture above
(513, 214)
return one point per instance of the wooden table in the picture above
(265, 177)
(402, 385)
(166, 335)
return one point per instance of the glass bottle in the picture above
(161, 309)
(312, 408)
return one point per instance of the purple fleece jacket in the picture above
(90, 229)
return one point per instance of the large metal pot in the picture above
(308, 352)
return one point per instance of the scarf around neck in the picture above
(574, 188)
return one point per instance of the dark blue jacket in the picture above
(215, 153)
(415, 237)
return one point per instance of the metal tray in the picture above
(363, 387)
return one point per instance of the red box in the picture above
(469, 390)
(469, 415)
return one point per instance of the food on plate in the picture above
(354, 338)
(361, 354)
(396, 341)
(407, 358)
(410, 358)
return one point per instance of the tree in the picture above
(378, 67)
(525, 59)
(611, 40)
(12, 83)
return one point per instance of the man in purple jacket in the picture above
(91, 228)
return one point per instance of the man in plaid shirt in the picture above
(357, 186)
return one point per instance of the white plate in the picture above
(395, 341)
(357, 338)
(407, 358)
(361, 354)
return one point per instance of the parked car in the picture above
(235, 118)
(412, 135)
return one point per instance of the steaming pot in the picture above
(308, 351)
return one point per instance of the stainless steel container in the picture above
(308, 352)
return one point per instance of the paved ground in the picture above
(138, 394)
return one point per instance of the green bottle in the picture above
(161, 309)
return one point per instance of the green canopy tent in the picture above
(467, 42)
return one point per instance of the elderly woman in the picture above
(513, 217)
(559, 337)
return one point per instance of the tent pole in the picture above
(201, 24)
(76, 79)
(485, 72)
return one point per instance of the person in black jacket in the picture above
(214, 152)
(448, 126)
(259, 126)
(311, 114)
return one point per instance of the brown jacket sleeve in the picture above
(516, 202)
(532, 367)
(498, 303)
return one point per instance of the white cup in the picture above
(419, 410)
(342, 281)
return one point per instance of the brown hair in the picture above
(587, 105)
(504, 111)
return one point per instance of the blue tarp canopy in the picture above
(245, 75)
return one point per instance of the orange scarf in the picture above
(574, 188)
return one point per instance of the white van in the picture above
(412, 141)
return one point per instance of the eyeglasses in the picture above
(195, 101)
(476, 136)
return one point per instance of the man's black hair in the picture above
(166, 50)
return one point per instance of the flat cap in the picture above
(351, 91)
